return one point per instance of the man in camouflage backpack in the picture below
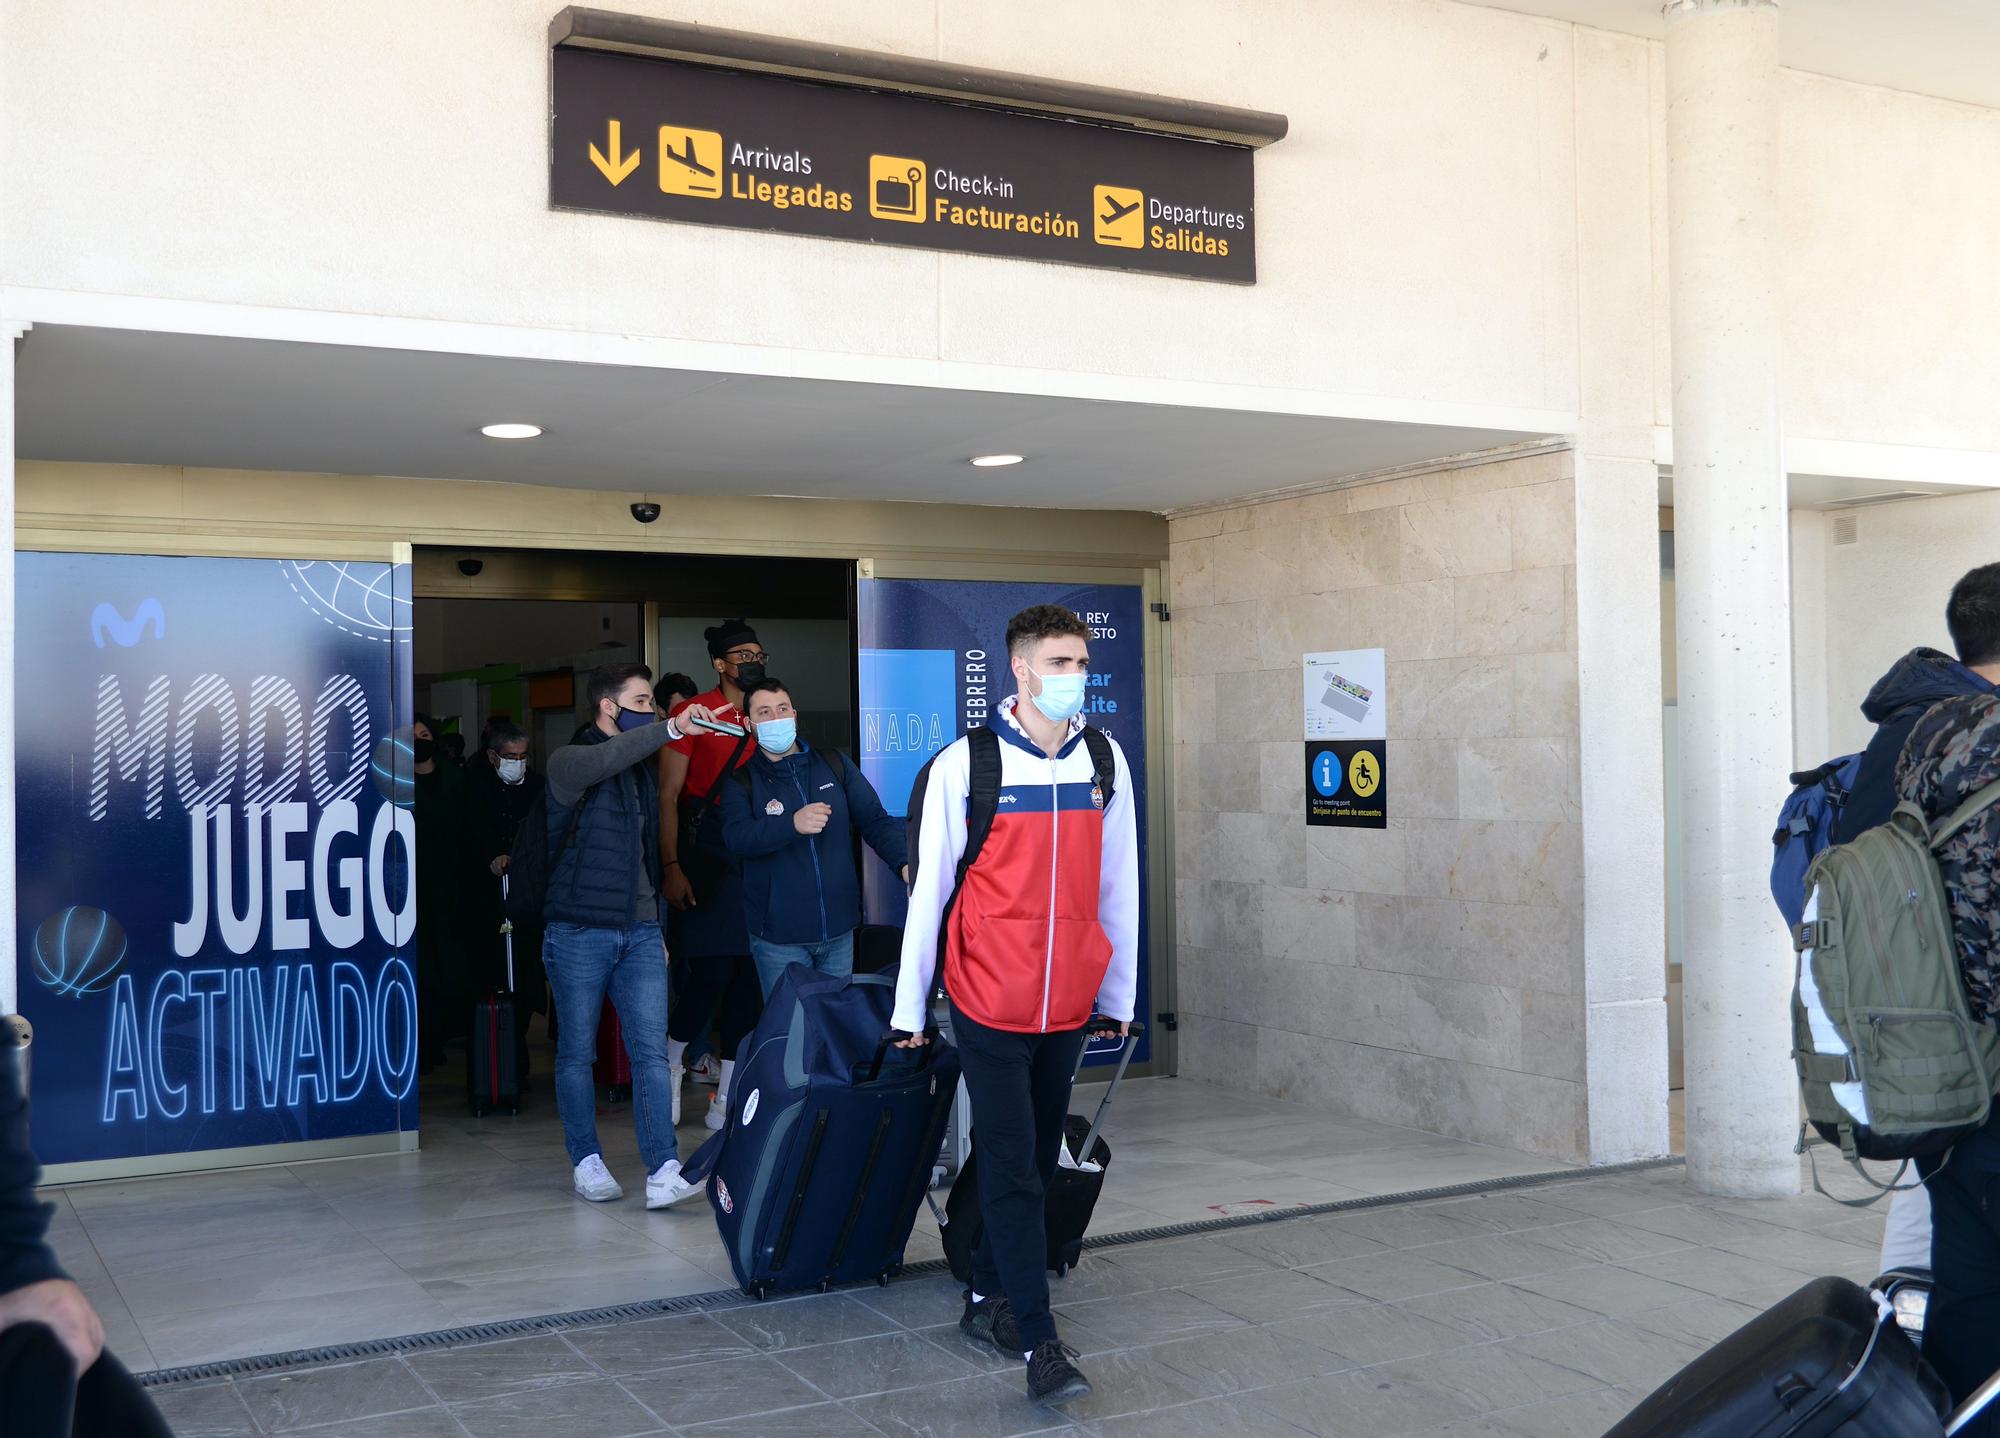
(1952, 754)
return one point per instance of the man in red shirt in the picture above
(701, 883)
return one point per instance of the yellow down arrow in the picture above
(617, 167)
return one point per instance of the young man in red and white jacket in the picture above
(1044, 936)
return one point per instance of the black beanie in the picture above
(729, 634)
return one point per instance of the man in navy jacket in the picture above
(788, 815)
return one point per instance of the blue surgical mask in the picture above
(635, 718)
(513, 771)
(775, 736)
(1061, 699)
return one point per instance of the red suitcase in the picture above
(613, 1069)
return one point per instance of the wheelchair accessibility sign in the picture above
(1347, 784)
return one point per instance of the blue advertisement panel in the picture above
(934, 664)
(216, 914)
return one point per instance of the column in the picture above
(1732, 590)
(11, 334)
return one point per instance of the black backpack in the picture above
(983, 798)
(835, 761)
(529, 862)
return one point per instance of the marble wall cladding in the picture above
(1429, 974)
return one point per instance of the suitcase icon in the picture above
(896, 188)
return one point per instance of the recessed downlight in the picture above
(995, 461)
(512, 429)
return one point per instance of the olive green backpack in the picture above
(1891, 1065)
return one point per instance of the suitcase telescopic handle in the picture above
(1124, 1061)
(897, 1036)
(1972, 1407)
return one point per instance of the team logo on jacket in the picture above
(775, 808)
(1097, 795)
(722, 1196)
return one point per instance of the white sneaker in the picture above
(707, 1069)
(666, 1188)
(718, 1114)
(594, 1181)
(675, 1073)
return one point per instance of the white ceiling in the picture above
(1949, 48)
(122, 396)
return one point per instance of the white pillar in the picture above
(11, 334)
(1732, 589)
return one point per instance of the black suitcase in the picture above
(1071, 1197)
(1827, 1360)
(492, 1080)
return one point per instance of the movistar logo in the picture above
(106, 620)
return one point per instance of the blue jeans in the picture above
(833, 956)
(631, 964)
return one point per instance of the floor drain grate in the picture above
(303, 1358)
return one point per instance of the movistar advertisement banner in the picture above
(216, 909)
(934, 664)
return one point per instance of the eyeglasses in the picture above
(748, 656)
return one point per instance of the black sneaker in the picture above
(1052, 1378)
(990, 1322)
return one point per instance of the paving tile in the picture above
(333, 1395)
(1606, 1241)
(1809, 1253)
(1691, 1223)
(1581, 1415)
(1161, 1318)
(1298, 1242)
(1700, 1319)
(659, 1343)
(600, 1409)
(1494, 1256)
(1609, 1290)
(1237, 1417)
(728, 1388)
(1279, 1294)
(1133, 1380)
(989, 1407)
(212, 1410)
(1245, 1359)
(1347, 1404)
(1390, 1276)
(818, 1420)
(1511, 1212)
(1376, 1333)
(1614, 1353)
(879, 1364)
(1490, 1376)
(280, 1325)
(1496, 1311)
(982, 1356)
(487, 1370)
(422, 1423)
(802, 1322)
(917, 1302)
(1725, 1275)
(1180, 1262)
(1406, 1227)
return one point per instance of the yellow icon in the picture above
(1364, 773)
(614, 166)
(1118, 217)
(691, 162)
(896, 189)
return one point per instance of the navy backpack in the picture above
(1805, 828)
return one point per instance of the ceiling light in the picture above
(511, 430)
(994, 461)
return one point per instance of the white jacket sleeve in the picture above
(940, 843)
(1118, 897)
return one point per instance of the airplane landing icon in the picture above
(691, 162)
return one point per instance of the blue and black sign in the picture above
(216, 917)
(1347, 784)
(934, 664)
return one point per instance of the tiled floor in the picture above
(481, 1225)
(1543, 1313)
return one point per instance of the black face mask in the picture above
(424, 749)
(748, 674)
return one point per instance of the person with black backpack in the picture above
(1025, 892)
(790, 815)
(603, 924)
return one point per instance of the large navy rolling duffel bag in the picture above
(832, 1136)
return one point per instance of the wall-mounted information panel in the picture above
(668, 140)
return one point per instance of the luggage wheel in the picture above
(1062, 1270)
(825, 1286)
(760, 1291)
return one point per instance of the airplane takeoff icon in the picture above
(1114, 212)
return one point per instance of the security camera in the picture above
(645, 511)
(470, 567)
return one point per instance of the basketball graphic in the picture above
(393, 770)
(354, 597)
(79, 950)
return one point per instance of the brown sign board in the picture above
(668, 140)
